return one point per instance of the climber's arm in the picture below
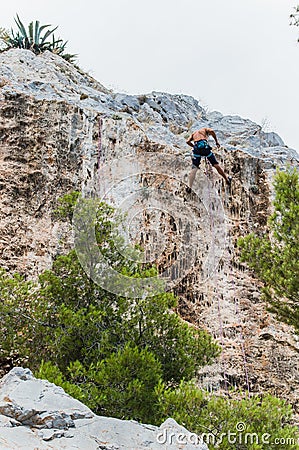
(213, 134)
(189, 141)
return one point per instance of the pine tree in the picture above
(275, 256)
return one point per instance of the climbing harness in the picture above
(200, 154)
(202, 147)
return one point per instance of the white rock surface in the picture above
(36, 414)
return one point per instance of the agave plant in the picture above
(35, 39)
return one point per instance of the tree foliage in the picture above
(121, 385)
(275, 256)
(91, 323)
(23, 312)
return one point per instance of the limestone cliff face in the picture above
(60, 130)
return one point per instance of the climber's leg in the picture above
(216, 165)
(195, 165)
(220, 171)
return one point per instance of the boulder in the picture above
(37, 414)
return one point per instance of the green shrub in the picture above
(66, 205)
(24, 319)
(52, 373)
(122, 385)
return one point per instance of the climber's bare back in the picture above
(203, 133)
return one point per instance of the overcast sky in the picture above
(235, 56)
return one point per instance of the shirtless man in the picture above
(201, 149)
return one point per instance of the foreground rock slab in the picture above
(36, 414)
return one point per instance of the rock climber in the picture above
(201, 148)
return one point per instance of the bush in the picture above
(24, 319)
(122, 385)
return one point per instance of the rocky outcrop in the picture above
(37, 414)
(61, 130)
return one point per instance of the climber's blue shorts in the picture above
(196, 161)
(203, 150)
